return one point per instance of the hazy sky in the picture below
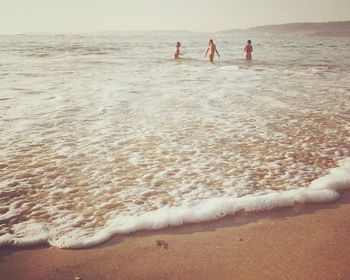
(197, 15)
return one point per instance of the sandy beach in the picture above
(135, 145)
(303, 242)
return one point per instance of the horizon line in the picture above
(164, 30)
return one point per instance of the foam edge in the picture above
(321, 190)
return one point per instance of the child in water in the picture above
(248, 49)
(177, 52)
(212, 50)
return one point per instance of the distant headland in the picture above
(324, 29)
(310, 29)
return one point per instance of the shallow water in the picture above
(101, 135)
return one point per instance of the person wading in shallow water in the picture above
(177, 52)
(248, 49)
(212, 50)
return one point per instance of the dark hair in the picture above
(249, 41)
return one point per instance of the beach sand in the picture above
(303, 242)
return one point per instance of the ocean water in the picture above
(103, 135)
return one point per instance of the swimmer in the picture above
(212, 50)
(248, 49)
(177, 52)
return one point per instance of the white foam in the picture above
(34, 234)
(135, 159)
(321, 190)
(337, 179)
(204, 211)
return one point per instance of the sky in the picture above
(75, 16)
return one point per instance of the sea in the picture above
(105, 134)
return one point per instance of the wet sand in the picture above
(303, 242)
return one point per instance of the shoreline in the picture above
(307, 241)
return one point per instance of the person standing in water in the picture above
(212, 50)
(177, 52)
(248, 49)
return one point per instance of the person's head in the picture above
(249, 42)
(178, 44)
(211, 42)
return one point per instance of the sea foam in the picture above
(321, 190)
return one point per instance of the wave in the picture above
(322, 190)
(51, 50)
